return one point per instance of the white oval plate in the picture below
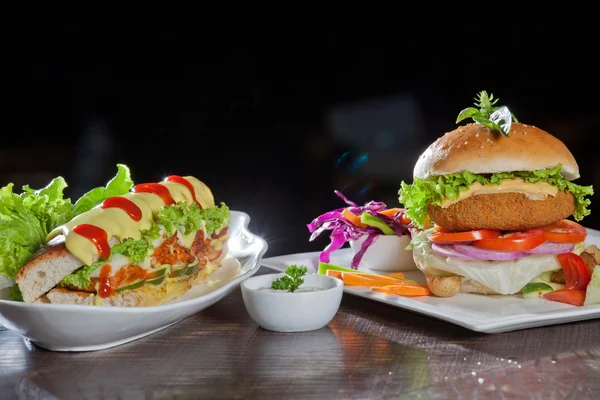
(67, 327)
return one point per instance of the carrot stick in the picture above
(398, 275)
(403, 290)
(352, 279)
(334, 273)
(390, 212)
(355, 219)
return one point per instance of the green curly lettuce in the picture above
(81, 277)
(437, 189)
(26, 218)
(189, 218)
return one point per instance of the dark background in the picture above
(274, 119)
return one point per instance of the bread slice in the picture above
(46, 269)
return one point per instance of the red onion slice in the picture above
(552, 248)
(483, 254)
(447, 250)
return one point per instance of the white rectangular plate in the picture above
(488, 314)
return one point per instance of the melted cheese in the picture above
(534, 191)
(118, 224)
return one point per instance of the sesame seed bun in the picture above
(476, 149)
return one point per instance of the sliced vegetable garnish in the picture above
(344, 229)
(324, 267)
(448, 250)
(469, 236)
(339, 274)
(577, 276)
(391, 212)
(353, 279)
(403, 290)
(355, 219)
(565, 231)
(536, 289)
(477, 253)
(334, 273)
(574, 297)
(513, 241)
(399, 275)
(376, 222)
(552, 248)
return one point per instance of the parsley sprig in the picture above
(496, 118)
(291, 280)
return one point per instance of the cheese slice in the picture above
(533, 191)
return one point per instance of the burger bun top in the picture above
(475, 148)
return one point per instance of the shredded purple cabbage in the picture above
(343, 230)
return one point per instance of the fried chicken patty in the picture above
(502, 211)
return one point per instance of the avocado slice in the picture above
(376, 222)
(131, 286)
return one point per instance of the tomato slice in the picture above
(565, 231)
(468, 236)
(513, 241)
(441, 229)
(575, 297)
(577, 276)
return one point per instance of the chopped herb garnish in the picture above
(291, 280)
(496, 118)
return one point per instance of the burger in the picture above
(493, 204)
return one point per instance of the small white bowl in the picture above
(386, 253)
(284, 311)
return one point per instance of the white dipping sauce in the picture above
(299, 290)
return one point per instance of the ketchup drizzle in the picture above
(186, 183)
(124, 204)
(97, 236)
(157, 189)
(105, 288)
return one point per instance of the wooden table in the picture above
(368, 351)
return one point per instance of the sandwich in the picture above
(494, 203)
(122, 245)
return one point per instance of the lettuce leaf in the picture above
(120, 184)
(180, 214)
(81, 277)
(416, 196)
(25, 220)
(135, 250)
(28, 217)
(189, 218)
(48, 204)
(215, 218)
